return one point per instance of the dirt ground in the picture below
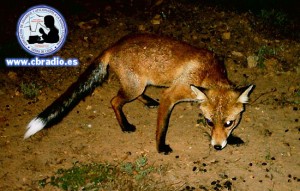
(268, 159)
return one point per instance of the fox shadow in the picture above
(234, 140)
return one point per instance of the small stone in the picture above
(252, 61)
(226, 35)
(156, 20)
(237, 54)
(12, 75)
(228, 184)
(141, 27)
(194, 168)
(247, 119)
(293, 89)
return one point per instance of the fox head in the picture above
(222, 110)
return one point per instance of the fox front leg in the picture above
(170, 97)
(164, 112)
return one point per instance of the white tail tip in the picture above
(34, 126)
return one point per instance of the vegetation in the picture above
(265, 52)
(137, 175)
(30, 90)
(274, 17)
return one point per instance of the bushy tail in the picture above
(93, 76)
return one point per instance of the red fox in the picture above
(187, 73)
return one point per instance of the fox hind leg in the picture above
(121, 99)
(117, 104)
(148, 101)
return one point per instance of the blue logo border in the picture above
(65, 26)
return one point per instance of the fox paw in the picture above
(165, 149)
(129, 128)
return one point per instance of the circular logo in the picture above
(41, 30)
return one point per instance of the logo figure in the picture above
(41, 30)
(52, 36)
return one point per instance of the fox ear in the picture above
(244, 97)
(199, 93)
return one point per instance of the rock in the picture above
(238, 54)
(226, 36)
(252, 61)
(293, 89)
(89, 24)
(12, 75)
(141, 27)
(156, 20)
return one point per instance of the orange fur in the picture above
(188, 73)
(142, 60)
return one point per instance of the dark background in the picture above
(81, 10)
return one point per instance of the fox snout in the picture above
(218, 138)
(218, 145)
(220, 133)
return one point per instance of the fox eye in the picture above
(209, 122)
(228, 123)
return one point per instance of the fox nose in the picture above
(218, 147)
